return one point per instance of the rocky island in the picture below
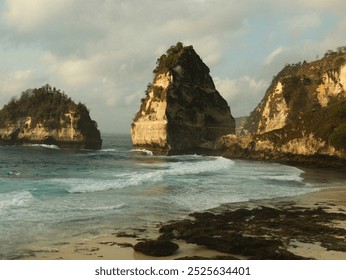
(182, 108)
(47, 116)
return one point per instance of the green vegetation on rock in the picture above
(48, 109)
(45, 105)
(167, 61)
(338, 137)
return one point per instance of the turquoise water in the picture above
(49, 194)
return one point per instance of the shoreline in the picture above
(323, 242)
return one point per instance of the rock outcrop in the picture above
(299, 89)
(47, 116)
(181, 109)
(302, 116)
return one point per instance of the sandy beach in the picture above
(329, 205)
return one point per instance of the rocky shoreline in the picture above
(264, 232)
(311, 226)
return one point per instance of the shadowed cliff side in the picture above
(47, 116)
(181, 109)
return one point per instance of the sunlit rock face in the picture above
(182, 108)
(299, 89)
(302, 116)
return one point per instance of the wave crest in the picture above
(54, 147)
(14, 199)
(143, 151)
(161, 172)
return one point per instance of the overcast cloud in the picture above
(102, 52)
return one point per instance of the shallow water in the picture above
(49, 194)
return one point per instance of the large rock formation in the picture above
(181, 109)
(302, 115)
(299, 89)
(47, 116)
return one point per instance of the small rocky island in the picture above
(48, 116)
(182, 108)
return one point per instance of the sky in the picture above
(103, 52)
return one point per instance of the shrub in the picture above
(168, 60)
(338, 137)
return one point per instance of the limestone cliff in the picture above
(299, 89)
(303, 113)
(47, 116)
(181, 109)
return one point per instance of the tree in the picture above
(341, 49)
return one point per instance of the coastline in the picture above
(328, 203)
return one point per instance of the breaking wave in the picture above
(288, 178)
(164, 170)
(14, 199)
(103, 208)
(55, 147)
(143, 151)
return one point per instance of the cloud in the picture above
(338, 6)
(298, 25)
(102, 53)
(76, 71)
(15, 82)
(242, 93)
(269, 59)
(25, 16)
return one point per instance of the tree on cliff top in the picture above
(166, 61)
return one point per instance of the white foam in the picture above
(109, 150)
(288, 177)
(103, 208)
(13, 173)
(55, 147)
(211, 164)
(14, 199)
(90, 185)
(143, 151)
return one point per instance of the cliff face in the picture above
(182, 109)
(299, 89)
(47, 116)
(303, 113)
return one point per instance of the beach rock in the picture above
(205, 258)
(48, 116)
(156, 248)
(260, 233)
(182, 107)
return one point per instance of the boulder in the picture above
(156, 248)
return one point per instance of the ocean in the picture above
(51, 195)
